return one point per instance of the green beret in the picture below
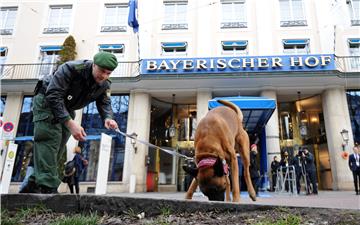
(106, 60)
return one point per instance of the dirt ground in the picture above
(279, 216)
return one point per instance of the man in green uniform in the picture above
(74, 85)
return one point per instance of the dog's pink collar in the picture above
(208, 162)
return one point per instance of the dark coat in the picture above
(296, 162)
(72, 87)
(275, 165)
(309, 162)
(254, 171)
(79, 164)
(352, 163)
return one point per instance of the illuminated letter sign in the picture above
(285, 63)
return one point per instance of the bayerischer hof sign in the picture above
(284, 63)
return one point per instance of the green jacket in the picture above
(72, 87)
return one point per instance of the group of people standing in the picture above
(304, 165)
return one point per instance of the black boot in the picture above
(48, 190)
(31, 187)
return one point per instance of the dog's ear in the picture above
(219, 168)
(191, 170)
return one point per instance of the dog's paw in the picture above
(188, 197)
(253, 197)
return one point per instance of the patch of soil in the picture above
(280, 216)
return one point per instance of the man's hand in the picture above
(110, 124)
(76, 130)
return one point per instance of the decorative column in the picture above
(203, 97)
(138, 122)
(272, 131)
(337, 118)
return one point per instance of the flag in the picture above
(132, 19)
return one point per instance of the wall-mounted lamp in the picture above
(133, 141)
(172, 131)
(345, 136)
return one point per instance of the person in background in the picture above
(80, 164)
(74, 85)
(354, 165)
(284, 164)
(297, 162)
(29, 146)
(275, 165)
(310, 170)
(254, 171)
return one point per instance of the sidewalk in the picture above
(325, 199)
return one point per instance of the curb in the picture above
(116, 205)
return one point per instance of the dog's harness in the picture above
(209, 162)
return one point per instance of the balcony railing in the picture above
(345, 64)
(38, 70)
(348, 64)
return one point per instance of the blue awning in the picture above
(256, 110)
(296, 42)
(50, 48)
(111, 47)
(173, 44)
(234, 43)
(354, 41)
(3, 49)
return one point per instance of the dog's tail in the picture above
(232, 106)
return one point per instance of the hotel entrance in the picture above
(302, 124)
(172, 127)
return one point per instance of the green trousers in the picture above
(49, 144)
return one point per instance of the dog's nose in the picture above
(217, 197)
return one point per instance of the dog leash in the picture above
(133, 136)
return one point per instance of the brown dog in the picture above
(217, 136)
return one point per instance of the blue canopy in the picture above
(256, 110)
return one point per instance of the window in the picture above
(118, 51)
(233, 14)
(58, 19)
(94, 126)
(3, 55)
(7, 20)
(296, 46)
(175, 15)
(115, 18)
(174, 48)
(354, 8)
(25, 133)
(354, 49)
(2, 105)
(353, 99)
(292, 13)
(49, 56)
(234, 47)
